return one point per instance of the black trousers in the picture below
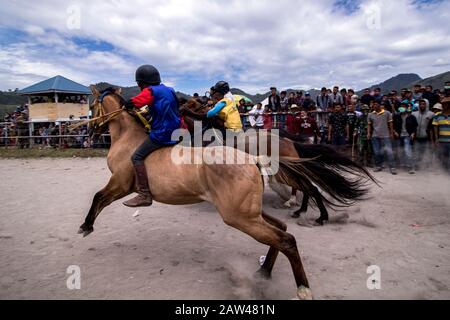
(144, 150)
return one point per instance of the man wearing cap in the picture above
(422, 144)
(437, 109)
(405, 128)
(441, 124)
(293, 119)
(380, 131)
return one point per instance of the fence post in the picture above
(31, 133)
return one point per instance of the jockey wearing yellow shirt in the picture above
(225, 107)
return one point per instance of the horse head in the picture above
(100, 107)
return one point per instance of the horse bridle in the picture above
(105, 117)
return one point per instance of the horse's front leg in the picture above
(114, 190)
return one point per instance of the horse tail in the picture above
(332, 159)
(306, 175)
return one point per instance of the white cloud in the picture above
(253, 44)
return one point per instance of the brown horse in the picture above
(236, 190)
(334, 169)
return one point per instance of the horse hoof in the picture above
(262, 273)
(85, 230)
(304, 293)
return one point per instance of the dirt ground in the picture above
(187, 252)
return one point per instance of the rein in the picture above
(109, 116)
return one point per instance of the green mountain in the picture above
(398, 82)
(436, 81)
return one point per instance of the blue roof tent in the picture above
(57, 84)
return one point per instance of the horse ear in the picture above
(94, 91)
(118, 91)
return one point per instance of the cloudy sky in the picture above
(253, 44)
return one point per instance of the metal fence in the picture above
(19, 135)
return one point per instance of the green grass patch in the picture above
(14, 153)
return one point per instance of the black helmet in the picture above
(148, 74)
(222, 87)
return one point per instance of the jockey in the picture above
(163, 106)
(225, 107)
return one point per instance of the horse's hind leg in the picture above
(323, 210)
(266, 268)
(113, 191)
(266, 233)
(304, 206)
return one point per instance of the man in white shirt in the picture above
(256, 117)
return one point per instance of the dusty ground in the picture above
(187, 252)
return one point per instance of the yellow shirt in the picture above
(230, 114)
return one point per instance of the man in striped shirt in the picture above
(441, 124)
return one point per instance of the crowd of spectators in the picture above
(15, 131)
(406, 129)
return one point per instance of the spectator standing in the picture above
(360, 133)
(430, 96)
(292, 99)
(323, 101)
(338, 126)
(405, 128)
(293, 120)
(284, 108)
(268, 122)
(417, 92)
(274, 100)
(284, 101)
(299, 98)
(380, 132)
(366, 98)
(308, 127)
(257, 117)
(308, 103)
(345, 97)
(441, 125)
(377, 95)
(274, 105)
(352, 118)
(336, 97)
(422, 144)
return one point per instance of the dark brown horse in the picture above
(334, 168)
